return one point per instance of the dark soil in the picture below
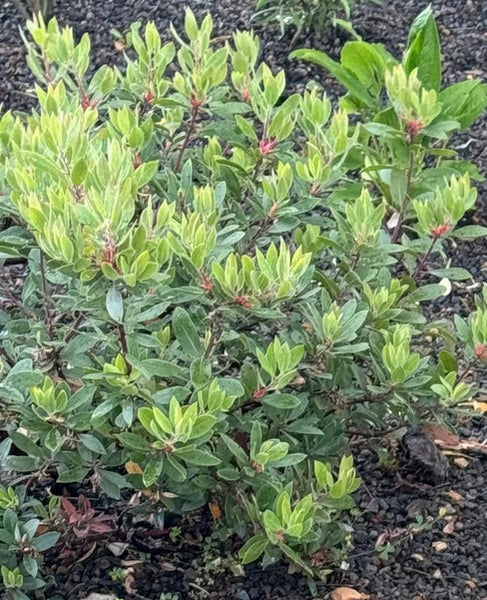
(411, 541)
(427, 561)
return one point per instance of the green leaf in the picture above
(79, 171)
(427, 292)
(253, 548)
(114, 304)
(156, 367)
(76, 474)
(453, 273)
(200, 373)
(228, 474)
(92, 443)
(152, 471)
(45, 541)
(346, 78)
(25, 444)
(423, 50)
(23, 464)
(133, 441)
(202, 425)
(186, 333)
(290, 460)
(295, 558)
(235, 449)
(200, 458)
(281, 401)
(366, 63)
(469, 232)
(463, 101)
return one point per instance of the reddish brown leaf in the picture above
(215, 510)
(346, 593)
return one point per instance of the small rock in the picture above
(422, 458)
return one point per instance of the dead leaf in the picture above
(393, 221)
(117, 548)
(446, 283)
(95, 596)
(131, 563)
(439, 546)
(461, 462)
(119, 46)
(129, 582)
(449, 528)
(346, 593)
(43, 527)
(455, 496)
(441, 435)
(215, 510)
(167, 566)
(449, 441)
(480, 407)
(133, 468)
(87, 554)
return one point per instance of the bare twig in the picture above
(47, 299)
(189, 133)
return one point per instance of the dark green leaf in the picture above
(186, 333)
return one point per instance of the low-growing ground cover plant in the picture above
(306, 15)
(222, 282)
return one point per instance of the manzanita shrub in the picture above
(222, 282)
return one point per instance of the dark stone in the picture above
(421, 457)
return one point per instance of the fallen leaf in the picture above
(117, 548)
(131, 563)
(449, 528)
(447, 440)
(480, 407)
(346, 593)
(167, 566)
(439, 546)
(133, 468)
(129, 582)
(455, 496)
(441, 435)
(446, 283)
(461, 462)
(95, 596)
(119, 46)
(87, 554)
(215, 510)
